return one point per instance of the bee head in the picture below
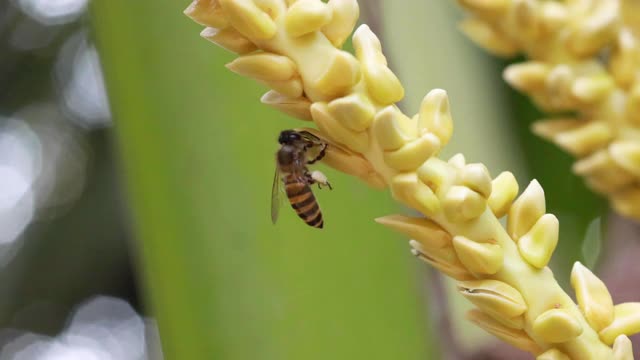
(289, 137)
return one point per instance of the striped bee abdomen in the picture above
(303, 201)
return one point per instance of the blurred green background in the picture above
(151, 208)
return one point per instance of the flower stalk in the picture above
(294, 47)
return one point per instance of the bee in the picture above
(299, 149)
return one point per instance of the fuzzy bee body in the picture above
(291, 171)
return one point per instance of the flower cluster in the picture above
(584, 66)
(294, 47)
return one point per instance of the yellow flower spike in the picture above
(487, 37)
(291, 88)
(627, 202)
(435, 116)
(408, 189)
(297, 107)
(413, 153)
(526, 210)
(458, 161)
(552, 354)
(249, 19)
(593, 297)
(393, 129)
(584, 139)
(463, 204)
(345, 14)
(627, 155)
(599, 168)
(515, 337)
(442, 261)
(323, 88)
(626, 321)
(264, 66)
(476, 177)
(342, 73)
(382, 84)
(622, 348)
(306, 16)
(207, 13)
(504, 191)
(557, 326)
(537, 245)
(355, 111)
(625, 58)
(329, 125)
(426, 232)
(494, 297)
(590, 89)
(230, 39)
(437, 174)
(597, 29)
(479, 258)
(528, 76)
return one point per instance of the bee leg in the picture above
(320, 155)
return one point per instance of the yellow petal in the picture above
(479, 258)
(593, 297)
(526, 210)
(504, 189)
(557, 326)
(626, 321)
(538, 244)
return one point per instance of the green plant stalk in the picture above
(222, 281)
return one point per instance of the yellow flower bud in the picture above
(479, 257)
(593, 297)
(296, 107)
(393, 129)
(627, 155)
(429, 234)
(462, 204)
(435, 116)
(538, 244)
(230, 39)
(489, 38)
(526, 210)
(552, 354)
(626, 321)
(355, 111)
(622, 348)
(437, 174)
(264, 66)
(249, 19)
(476, 177)
(306, 16)
(408, 189)
(207, 13)
(413, 153)
(344, 17)
(329, 125)
(504, 191)
(557, 326)
(515, 337)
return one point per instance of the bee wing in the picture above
(317, 145)
(276, 188)
(309, 137)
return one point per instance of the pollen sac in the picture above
(249, 19)
(393, 129)
(437, 174)
(345, 14)
(593, 297)
(340, 75)
(207, 13)
(477, 178)
(443, 259)
(306, 16)
(494, 297)
(552, 354)
(479, 258)
(429, 234)
(435, 116)
(622, 348)
(264, 66)
(463, 204)
(515, 337)
(296, 107)
(504, 191)
(489, 38)
(557, 326)
(626, 321)
(407, 188)
(538, 244)
(328, 124)
(229, 39)
(383, 85)
(413, 154)
(354, 111)
(526, 210)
